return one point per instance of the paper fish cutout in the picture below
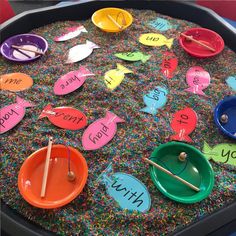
(133, 56)
(231, 81)
(152, 39)
(71, 33)
(155, 100)
(81, 51)
(71, 81)
(15, 82)
(224, 152)
(113, 78)
(161, 24)
(11, 115)
(183, 123)
(65, 117)
(198, 79)
(25, 55)
(129, 192)
(100, 132)
(169, 64)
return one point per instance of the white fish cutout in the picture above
(81, 51)
(71, 33)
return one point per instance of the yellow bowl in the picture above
(109, 19)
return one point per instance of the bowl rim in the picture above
(156, 182)
(66, 200)
(23, 60)
(106, 29)
(198, 54)
(216, 111)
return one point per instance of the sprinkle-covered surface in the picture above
(93, 212)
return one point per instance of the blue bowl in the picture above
(226, 106)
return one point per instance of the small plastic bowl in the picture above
(197, 171)
(206, 36)
(31, 40)
(59, 190)
(226, 106)
(101, 19)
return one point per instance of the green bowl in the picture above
(197, 171)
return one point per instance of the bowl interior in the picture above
(29, 41)
(197, 171)
(59, 191)
(208, 37)
(228, 107)
(122, 17)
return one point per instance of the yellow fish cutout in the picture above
(113, 78)
(155, 40)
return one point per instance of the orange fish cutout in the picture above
(15, 82)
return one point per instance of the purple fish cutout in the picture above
(71, 81)
(11, 115)
(100, 132)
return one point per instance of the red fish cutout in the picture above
(65, 117)
(183, 123)
(169, 64)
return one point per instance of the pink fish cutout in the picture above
(71, 81)
(183, 123)
(65, 117)
(80, 52)
(198, 79)
(11, 115)
(71, 33)
(100, 132)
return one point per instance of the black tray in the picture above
(29, 20)
(15, 224)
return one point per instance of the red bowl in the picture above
(206, 36)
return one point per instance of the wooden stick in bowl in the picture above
(174, 176)
(26, 49)
(198, 42)
(116, 23)
(46, 167)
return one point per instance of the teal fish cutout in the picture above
(155, 100)
(133, 56)
(161, 24)
(231, 81)
(224, 152)
(129, 192)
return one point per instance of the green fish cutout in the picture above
(133, 56)
(224, 152)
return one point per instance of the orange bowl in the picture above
(59, 191)
(101, 19)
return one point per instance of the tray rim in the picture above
(22, 224)
(208, 13)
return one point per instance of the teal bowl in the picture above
(196, 170)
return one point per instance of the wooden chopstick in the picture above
(198, 42)
(174, 176)
(46, 167)
(116, 23)
(26, 49)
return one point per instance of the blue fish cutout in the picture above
(155, 100)
(127, 191)
(161, 24)
(231, 81)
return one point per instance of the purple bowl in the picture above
(30, 41)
